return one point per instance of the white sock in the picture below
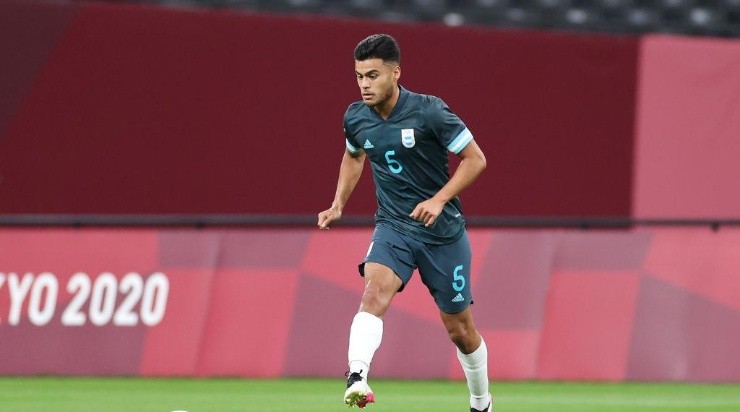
(475, 366)
(365, 335)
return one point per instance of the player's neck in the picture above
(386, 108)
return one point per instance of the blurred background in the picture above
(162, 164)
(693, 17)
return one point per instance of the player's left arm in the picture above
(472, 164)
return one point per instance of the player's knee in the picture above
(375, 300)
(463, 336)
(373, 296)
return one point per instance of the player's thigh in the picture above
(388, 249)
(445, 270)
(381, 279)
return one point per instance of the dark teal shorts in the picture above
(444, 269)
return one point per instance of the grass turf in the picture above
(47, 394)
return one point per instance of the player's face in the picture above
(377, 80)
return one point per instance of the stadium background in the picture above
(199, 142)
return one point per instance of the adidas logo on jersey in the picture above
(368, 145)
(458, 298)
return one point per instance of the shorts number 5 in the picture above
(457, 277)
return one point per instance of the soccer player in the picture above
(419, 222)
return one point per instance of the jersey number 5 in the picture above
(393, 164)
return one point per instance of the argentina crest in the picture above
(407, 138)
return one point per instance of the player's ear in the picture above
(396, 73)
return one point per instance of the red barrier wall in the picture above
(657, 304)
(138, 109)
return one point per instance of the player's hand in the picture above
(428, 211)
(328, 216)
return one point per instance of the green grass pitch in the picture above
(51, 394)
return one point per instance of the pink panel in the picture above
(60, 346)
(700, 261)
(71, 250)
(182, 248)
(601, 250)
(512, 354)
(248, 323)
(688, 123)
(323, 315)
(681, 336)
(65, 252)
(334, 255)
(480, 241)
(587, 327)
(56, 349)
(412, 347)
(173, 347)
(511, 291)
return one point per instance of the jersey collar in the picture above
(403, 95)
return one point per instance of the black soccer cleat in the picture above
(488, 409)
(358, 392)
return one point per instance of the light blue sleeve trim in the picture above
(460, 141)
(351, 148)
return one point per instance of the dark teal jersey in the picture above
(408, 154)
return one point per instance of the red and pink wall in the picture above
(658, 304)
(127, 109)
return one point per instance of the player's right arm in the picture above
(349, 174)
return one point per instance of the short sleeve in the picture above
(447, 127)
(349, 138)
